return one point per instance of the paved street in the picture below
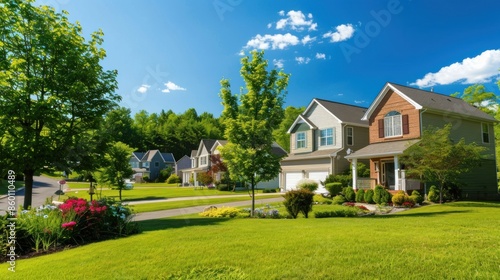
(43, 188)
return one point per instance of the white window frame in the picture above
(203, 160)
(326, 137)
(487, 132)
(350, 135)
(393, 124)
(300, 140)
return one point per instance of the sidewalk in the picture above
(198, 209)
(195, 198)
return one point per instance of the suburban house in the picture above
(183, 163)
(200, 163)
(150, 163)
(398, 116)
(320, 138)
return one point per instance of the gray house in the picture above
(150, 163)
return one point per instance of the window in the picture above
(350, 136)
(486, 134)
(301, 140)
(392, 124)
(134, 164)
(326, 137)
(145, 164)
(157, 164)
(203, 160)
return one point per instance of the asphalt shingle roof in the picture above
(346, 113)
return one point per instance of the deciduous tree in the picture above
(250, 119)
(116, 168)
(52, 87)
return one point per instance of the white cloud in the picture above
(342, 33)
(281, 13)
(307, 39)
(478, 69)
(302, 60)
(170, 86)
(269, 25)
(241, 53)
(278, 63)
(320, 56)
(277, 41)
(143, 88)
(296, 20)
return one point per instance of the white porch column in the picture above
(195, 179)
(354, 173)
(396, 173)
(403, 180)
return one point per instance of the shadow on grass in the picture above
(176, 222)
(471, 203)
(143, 198)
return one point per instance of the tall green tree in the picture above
(116, 168)
(52, 87)
(436, 158)
(250, 119)
(280, 134)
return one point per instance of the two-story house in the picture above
(150, 163)
(201, 162)
(320, 137)
(398, 116)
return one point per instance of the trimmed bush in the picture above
(269, 190)
(345, 180)
(369, 196)
(334, 188)
(339, 199)
(360, 195)
(381, 195)
(416, 197)
(399, 199)
(343, 211)
(173, 179)
(307, 184)
(349, 194)
(223, 212)
(433, 194)
(319, 199)
(223, 187)
(298, 201)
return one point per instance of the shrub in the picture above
(360, 195)
(145, 178)
(307, 184)
(433, 194)
(339, 199)
(416, 197)
(349, 194)
(223, 212)
(369, 196)
(223, 187)
(381, 195)
(399, 199)
(334, 188)
(345, 180)
(270, 190)
(266, 213)
(319, 199)
(342, 211)
(173, 179)
(298, 201)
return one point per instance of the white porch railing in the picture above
(366, 183)
(410, 184)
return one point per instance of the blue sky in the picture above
(172, 54)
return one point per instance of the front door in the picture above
(388, 176)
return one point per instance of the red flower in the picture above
(69, 225)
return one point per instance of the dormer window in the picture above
(392, 124)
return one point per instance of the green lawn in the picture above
(157, 206)
(152, 193)
(4, 186)
(452, 241)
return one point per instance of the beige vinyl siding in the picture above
(323, 120)
(309, 139)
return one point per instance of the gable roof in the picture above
(207, 143)
(217, 143)
(349, 114)
(167, 157)
(423, 99)
(277, 150)
(301, 119)
(138, 155)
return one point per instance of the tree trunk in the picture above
(120, 194)
(28, 187)
(253, 197)
(441, 189)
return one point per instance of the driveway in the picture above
(43, 188)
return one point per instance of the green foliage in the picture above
(369, 196)
(381, 195)
(223, 187)
(298, 201)
(349, 194)
(416, 197)
(222, 212)
(399, 198)
(164, 174)
(173, 179)
(344, 211)
(307, 184)
(360, 195)
(345, 180)
(281, 133)
(205, 178)
(319, 199)
(250, 119)
(270, 190)
(433, 195)
(334, 188)
(54, 92)
(339, 199)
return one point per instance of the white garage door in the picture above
(291, 180)
(319, 176)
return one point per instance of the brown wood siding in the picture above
(394, 102)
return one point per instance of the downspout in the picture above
(421, 131)
(334, 155)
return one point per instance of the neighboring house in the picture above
(183, 163)
(200, 162)
(397, 118)
(320, 138)
(150, 163)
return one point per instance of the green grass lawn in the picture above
(157, 206)
(452, 241)
(151, 193)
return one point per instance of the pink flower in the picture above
(69, 225)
